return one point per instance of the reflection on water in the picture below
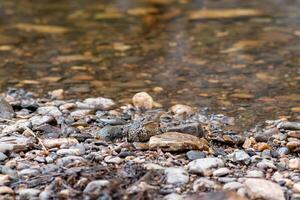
(235, 57)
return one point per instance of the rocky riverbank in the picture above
(52, 148)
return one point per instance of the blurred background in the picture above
(236, 57)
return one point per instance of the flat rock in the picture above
(193, 155)
(204, 164)
(255, 174)
(289, 125)
(221, 172)
(57, 142)
(263, 189)
(232, 186)
(177, 175)
(15, 143)
(29, 193)
(174, 141)
(240, 157)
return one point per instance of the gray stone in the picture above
(202, 184)
(289, 125)
(263, 189)
(193, 155)
(176, 176)
(94, 188)
(204, 164)
(15, 143)
(49, 110)
(110, 133)
(99, 103)
(221, 172)
(173, 196)
(255, 174)
(6, 110)
(114, 160)
(29, 193)
(233, 186)
(283, 151)
(265, 164)
(2, 156)
(239, 157)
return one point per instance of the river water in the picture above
(239, 58)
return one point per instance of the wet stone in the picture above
(289, 125)
(142, 100)
(192, 128)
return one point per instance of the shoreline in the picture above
(95, 148)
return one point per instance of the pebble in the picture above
(283, 151)
(263, 189)
(202, 184)
(57, 142)
(142, 100)
(110, 133)
(289, 125)
(294, 163)
(221, 172)
(2, 156)
(240, 157)
(296, 188)
(265, 164)
(80, 113)
(204, 164)
(232, 186)
(193, 155)
(180, 109)
(114, 160)
(173, 196)
(57, 94)
(6, 110)
(174, 141)
(49, 110)
(29, 193)
(176, 176)
(15, 143)
(6, 190)
(255, 174)
(99, 103)
(94, 188)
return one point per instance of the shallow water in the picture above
(240, 64)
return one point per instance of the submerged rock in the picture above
(174, 141)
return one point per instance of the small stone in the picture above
(221, 172)
(289, 126)
(94, 188)
(261, 146)
(15, 143)
(110, 133)
(202, 184)
(255, 174)
(114, 160)
(49, 110)
(80, 113)
(296, 188)
(283, 151)
(6, 110)
(294, 163)
(142, 100)
(173, 196)
(232, 186)
(57, 94)
(174, 141)
(266, 135)
(57, 142)
(263, 189)
(295, 134)
(99, 103)
(6, 190)
(240, 157)
(2, 156)
(180, 109)
(193, 155)
(265, 164)
(204, 164)
(29, 193)
(177, 176)
(153, 166)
